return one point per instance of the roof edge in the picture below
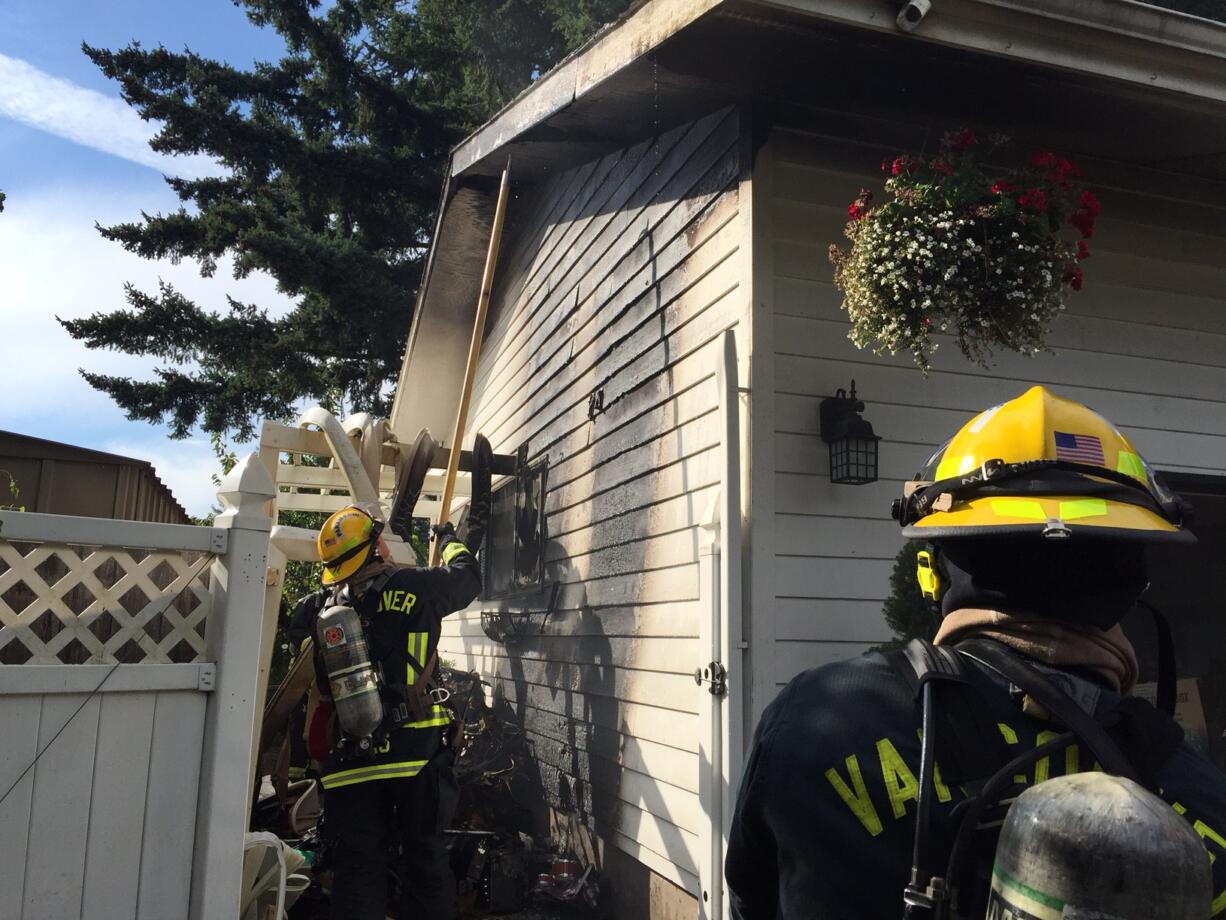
(640, 31)
(1036, 31)
(1123, 40)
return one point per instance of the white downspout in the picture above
(720, 638)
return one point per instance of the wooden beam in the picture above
(322, 477)
(290, 440)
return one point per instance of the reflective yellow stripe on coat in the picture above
(438, 716)
(405, 768)
(417, 652)
(451, 550)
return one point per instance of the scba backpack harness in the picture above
(973, 754)
(367, 706)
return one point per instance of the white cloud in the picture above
(60, 107)
(53, 262)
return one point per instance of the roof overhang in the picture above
(1112, 80)
(1153, 49)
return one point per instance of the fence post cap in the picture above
(245, 492)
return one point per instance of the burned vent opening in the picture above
(513, 558)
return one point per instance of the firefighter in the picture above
(404, 785)
(1036, 515)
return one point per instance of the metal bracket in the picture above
(595, 404)
(219, 540)
(207, 677)
(714, 674)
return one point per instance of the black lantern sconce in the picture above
(853, 446)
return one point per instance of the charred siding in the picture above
(620, 281)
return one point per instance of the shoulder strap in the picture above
(958, 721)
(933, 662)
(427, 673)
(1030, 680)
(970, 747)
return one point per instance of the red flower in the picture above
(900, 165)
(1083, 251)
(1083, 221)
(858, 209)
(961, 141)
(944, 167)
(1073, 277)
(1089, 201)
(1002, 188)
(1034, 198)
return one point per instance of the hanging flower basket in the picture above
(956, 251)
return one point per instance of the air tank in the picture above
(1098, 847)
(351, 674)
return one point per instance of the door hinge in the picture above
(714, 674)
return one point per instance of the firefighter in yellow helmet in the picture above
(1035, 517)
(397, 778)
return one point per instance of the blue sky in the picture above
(72, 154)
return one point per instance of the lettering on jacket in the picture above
(900, 785)
(396, 602)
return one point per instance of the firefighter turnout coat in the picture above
(402, 611)
(825, 818)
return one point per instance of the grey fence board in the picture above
(170, 806)
(55, 859)
(37, 679)
(80, 531)
(117, 809)
(20, 722)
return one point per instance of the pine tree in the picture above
(332, 160)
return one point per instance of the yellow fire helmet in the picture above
(1044, 465)
(344, 543)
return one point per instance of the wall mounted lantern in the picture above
(853, 445)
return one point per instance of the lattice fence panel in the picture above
(67, 604)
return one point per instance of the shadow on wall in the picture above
(566, 685)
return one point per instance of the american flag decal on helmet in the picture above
(1079, 448)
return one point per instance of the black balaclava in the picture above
(1080, 579)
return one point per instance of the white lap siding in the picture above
(1144, 343)
(619, 278)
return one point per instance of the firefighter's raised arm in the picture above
(457, 582)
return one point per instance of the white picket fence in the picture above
(133, 658)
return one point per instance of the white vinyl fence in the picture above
(132, 660)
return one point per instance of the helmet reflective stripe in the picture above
(1132, 465)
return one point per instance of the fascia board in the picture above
(1117, 39)
(1120, 39)
(607, 53)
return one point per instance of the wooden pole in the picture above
(474, 352)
